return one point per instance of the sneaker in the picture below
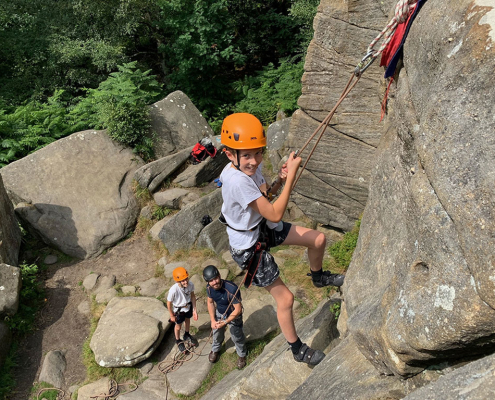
(189, 338)
(241, 362)
(308, 355)
(182, 347)
(329, 279)
(213, 357)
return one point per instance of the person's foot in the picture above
(241, 362)
(309, 356)
(213, 357)
(182, 347)
(189, 338)
(329, 279)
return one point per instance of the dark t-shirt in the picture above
(224, 295)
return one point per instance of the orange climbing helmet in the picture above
(242, 131)
(180, 274)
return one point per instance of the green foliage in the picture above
(7, 380)
(335, 309)
(30, 301)
(160, 212)
(342, 251)
(271, 90)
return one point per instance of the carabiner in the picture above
(365, 63)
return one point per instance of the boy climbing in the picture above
(181, 303)
(254, 224)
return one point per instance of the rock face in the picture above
(76, 193)
(177, 123)
(339, 171)
(10, 288)
(428, 228)
(129, 331)
(276, 138)
(10, 234)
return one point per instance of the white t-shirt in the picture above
(238, 190)
(180, 297)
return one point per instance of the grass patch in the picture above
(142, 194)
(158, 212)
(228, 363)
(343, 250)
(50, 393)
(194, 257)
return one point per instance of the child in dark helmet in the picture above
(225, 308)
(181, 304)
(245, 206)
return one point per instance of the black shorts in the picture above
(181, 316)
(268, 271)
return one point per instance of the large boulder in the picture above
(182, 230)
(177, 124)
(76, 192)
(421, 286)
(339, 170)
(10, 234)
(129, 330)
(276, 141)
(206, 171)
(10, 289)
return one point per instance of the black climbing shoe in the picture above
(308, 355)
(182, 347)
(329, 279)
(189, 338)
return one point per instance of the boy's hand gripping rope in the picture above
(402, 11)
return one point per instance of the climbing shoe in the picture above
(189, 338)
(328, 279)
(182, 347)
(308, 355)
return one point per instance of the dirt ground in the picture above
(60, 326)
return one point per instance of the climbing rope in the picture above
(402, 11)
(113, 390)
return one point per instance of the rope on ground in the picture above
(113, 390)
(60, 395)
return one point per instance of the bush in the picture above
(342, 251)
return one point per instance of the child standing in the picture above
(181, 304)
(244, 208)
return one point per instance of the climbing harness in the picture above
(404, 11)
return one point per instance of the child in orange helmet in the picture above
(181, 304)
(246, 209)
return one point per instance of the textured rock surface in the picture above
(53, 369)
(129, 331)
(76, 192)
(338, 173)
(428, 228)
(206, 171)
(10, 234)
(177, 123)
(10, 288)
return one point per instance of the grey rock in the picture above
(214, 236)
(88, 391)
(206, 171)
(188, 378)
(473, 381)
(224, 272)
(198, 282)
(203, 323)
(427, 230)
(128, 290)
(190, 198)
(76, 192)
(145, 368)
(53, 369)
(105, 295)
(5, 341)
(211, 261)
(50, 259)
(276, 141)
(177, 123)
(146, 212)
(129, 331)
(153, 174)
(84, 307)
(182, 230)
(10, 289)
(171, 198)
(90, 281)
(153, 388)
(10, 234)
(162, 262)
(156, 229)
(152, 287)
(346, 374)
(105, 282)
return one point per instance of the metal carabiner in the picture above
(364, 63)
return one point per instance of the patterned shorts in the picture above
(268, 270)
